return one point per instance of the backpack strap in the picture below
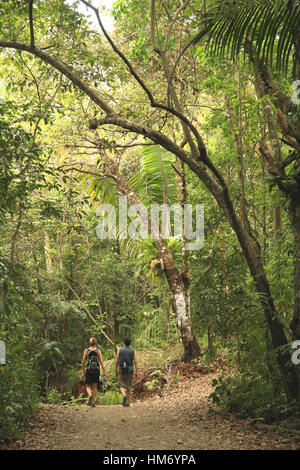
(88, 350)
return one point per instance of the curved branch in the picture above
(113, 118)
(153, 102)
(201, 146)
(64, 69)
(86, 172)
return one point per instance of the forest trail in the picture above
(180, 420)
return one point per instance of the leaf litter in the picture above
(179, 416)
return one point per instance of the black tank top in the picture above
(126, 354)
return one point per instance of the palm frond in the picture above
(270, 26)
(155, 183)
(102, 190)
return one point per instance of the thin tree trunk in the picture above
(277, 221)
(47, 252)
(36, 268)
(185, 275)
(15, 235)
(279, 341)
(274, 142)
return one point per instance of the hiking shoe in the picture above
(90, 400)
(124, 402)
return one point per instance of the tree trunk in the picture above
(277, 221)
(273, 162)
(189, 341)
(47, 252)
(15, 234)
(36, 268)
(172, 273)
(279, 340)
(253, 257)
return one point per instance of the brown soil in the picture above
(179, 419)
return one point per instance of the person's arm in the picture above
(117, 363)
(102, 364)
(83, 362)
(135, 363)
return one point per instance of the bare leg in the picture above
(124, 395)
(94, 393)
(89, 392)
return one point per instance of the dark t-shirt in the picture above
(126, 355)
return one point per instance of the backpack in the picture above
(93, 364)
(126, 357)
(125, 368)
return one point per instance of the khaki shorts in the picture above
(125, 381)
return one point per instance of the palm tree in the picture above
(155, 183)
(270, 28)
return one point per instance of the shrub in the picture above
(53, 396)
(248, 395)
(19, 395)
(111, 397)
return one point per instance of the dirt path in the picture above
(181, 420)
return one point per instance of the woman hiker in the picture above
(91, 361)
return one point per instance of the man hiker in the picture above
(126, 356)
(91, 362)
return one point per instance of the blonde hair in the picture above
(93, 341)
